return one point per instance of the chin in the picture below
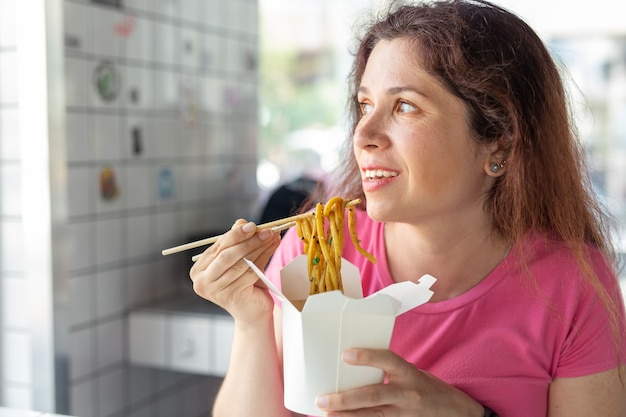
(379, 211)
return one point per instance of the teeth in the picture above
(379, 173)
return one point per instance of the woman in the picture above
(463, 152)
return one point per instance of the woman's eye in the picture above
(404, 107)
(366, 108)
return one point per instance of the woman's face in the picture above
(417, 160)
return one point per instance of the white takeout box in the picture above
(330, 323)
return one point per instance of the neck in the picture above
(459, 259)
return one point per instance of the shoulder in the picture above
(554, 260)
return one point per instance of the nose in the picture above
(372, 131)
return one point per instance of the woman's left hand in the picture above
(408, 391)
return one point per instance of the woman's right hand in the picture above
(221, 275)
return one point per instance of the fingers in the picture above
(221, 275)
(379, 399)
(233, 245)
(408, 392)
(389, 362)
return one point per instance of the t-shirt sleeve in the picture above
(290, 247)
(596, 339)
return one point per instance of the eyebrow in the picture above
(395, 90)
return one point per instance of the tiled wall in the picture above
(161, 136)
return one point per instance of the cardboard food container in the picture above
(318, 328)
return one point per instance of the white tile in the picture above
(166, 144)
(82, 296)
(165, 88)
(8, 80)
(190, 184)
(109, 241)
(110, 339)
(8, 31)
(82, 245)
(168, 276)
(165, 42)
(82, 360)
(193, 224)
(10, 190)
(80, 137)
(140, 285)
(211, 51)
(191, 10)
(79, 189)
(110, 298)
(213, 181)
(105, 40)
(211, 94)
(212, 12)
(107, 137)
(12, 249)
(167, 8)
(147, 339)
(251, 18)
(232, 15)
(137, 46)
(77, 85)
(138, 235)
(206, 137)
(14, 292)
(9, 134)
(18, 396)
(82, 399)
(197, 144)
(166, 229)
(16, 360)
(144, 5)
(111, 389)
(141, 189)
(78, 27)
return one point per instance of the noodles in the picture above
(322, 237)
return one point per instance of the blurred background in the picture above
(131, 126)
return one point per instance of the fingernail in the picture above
(265, 234)
(349, 356)
(248, 227)
(321, 401)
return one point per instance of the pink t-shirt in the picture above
(503, 341)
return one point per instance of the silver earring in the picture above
(496, 167)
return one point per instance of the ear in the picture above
(495, 163)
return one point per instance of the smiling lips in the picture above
(375, 179)
(374, 174)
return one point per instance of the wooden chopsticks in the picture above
(275, 225)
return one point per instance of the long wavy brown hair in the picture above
(493, 61)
